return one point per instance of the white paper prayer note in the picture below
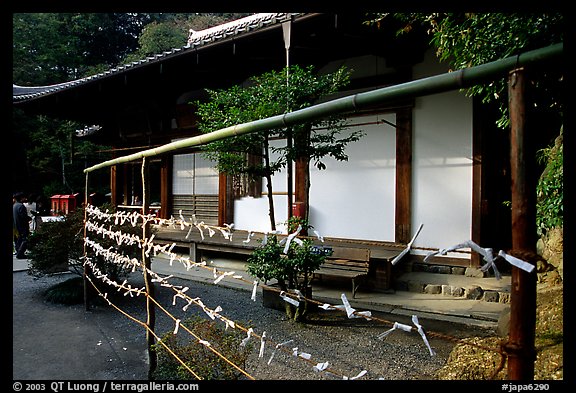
(253, 297)
(262, 343)
(250, 235)
(421, 331)
(408, 247)
(276, 348)
(528, 267)
(288, 299)
(397, 325)
(487, 255)
(245, 340)
(360, 374)
(290, 238)
(222, 276)
(351, 312)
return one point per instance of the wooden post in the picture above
(165, 187)
(86, 270)
(520, 347)
(403, 229)
(150, 309)
(225, 199)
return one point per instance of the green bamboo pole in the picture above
(426, 86)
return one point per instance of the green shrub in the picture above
(550, 188)
(292, 270)
(56, 244)
(70, 291)
(206, 364)
(59, 246)
(62, 242)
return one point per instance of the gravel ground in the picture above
(348, 345)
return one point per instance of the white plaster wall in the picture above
(356, 199)
(350, 199)
(252, 214)
(442, 166)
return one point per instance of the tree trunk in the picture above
(269, 184)
(302, 191)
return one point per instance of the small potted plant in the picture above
(292, 267)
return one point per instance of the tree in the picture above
(157, 37)
(50, 158)
(51, 48)
(270, 94)
(471, 39)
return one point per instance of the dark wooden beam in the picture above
(403, 209)
(225, 199)
(477, 191)
(166, 186)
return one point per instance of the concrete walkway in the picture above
(458, 310)
(478, 313)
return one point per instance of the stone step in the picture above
(464, 286)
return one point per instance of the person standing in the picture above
(21, 224)
(14, 230)
(42, 209)
(32, 211)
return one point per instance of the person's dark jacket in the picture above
(21, 218)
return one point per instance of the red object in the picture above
(63, 204)
(54, 205)
(298, 209)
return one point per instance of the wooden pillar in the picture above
(301, 180)
(147, 265)
(165, 186)
(225, 199)
(115, 178)
(114, 184)
(403, 230)
(476, 182)
(520, 346)
(126, 181)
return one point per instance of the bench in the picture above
(345, 262)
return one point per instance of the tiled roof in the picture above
(196, 39)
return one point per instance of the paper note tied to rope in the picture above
(408, 247)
